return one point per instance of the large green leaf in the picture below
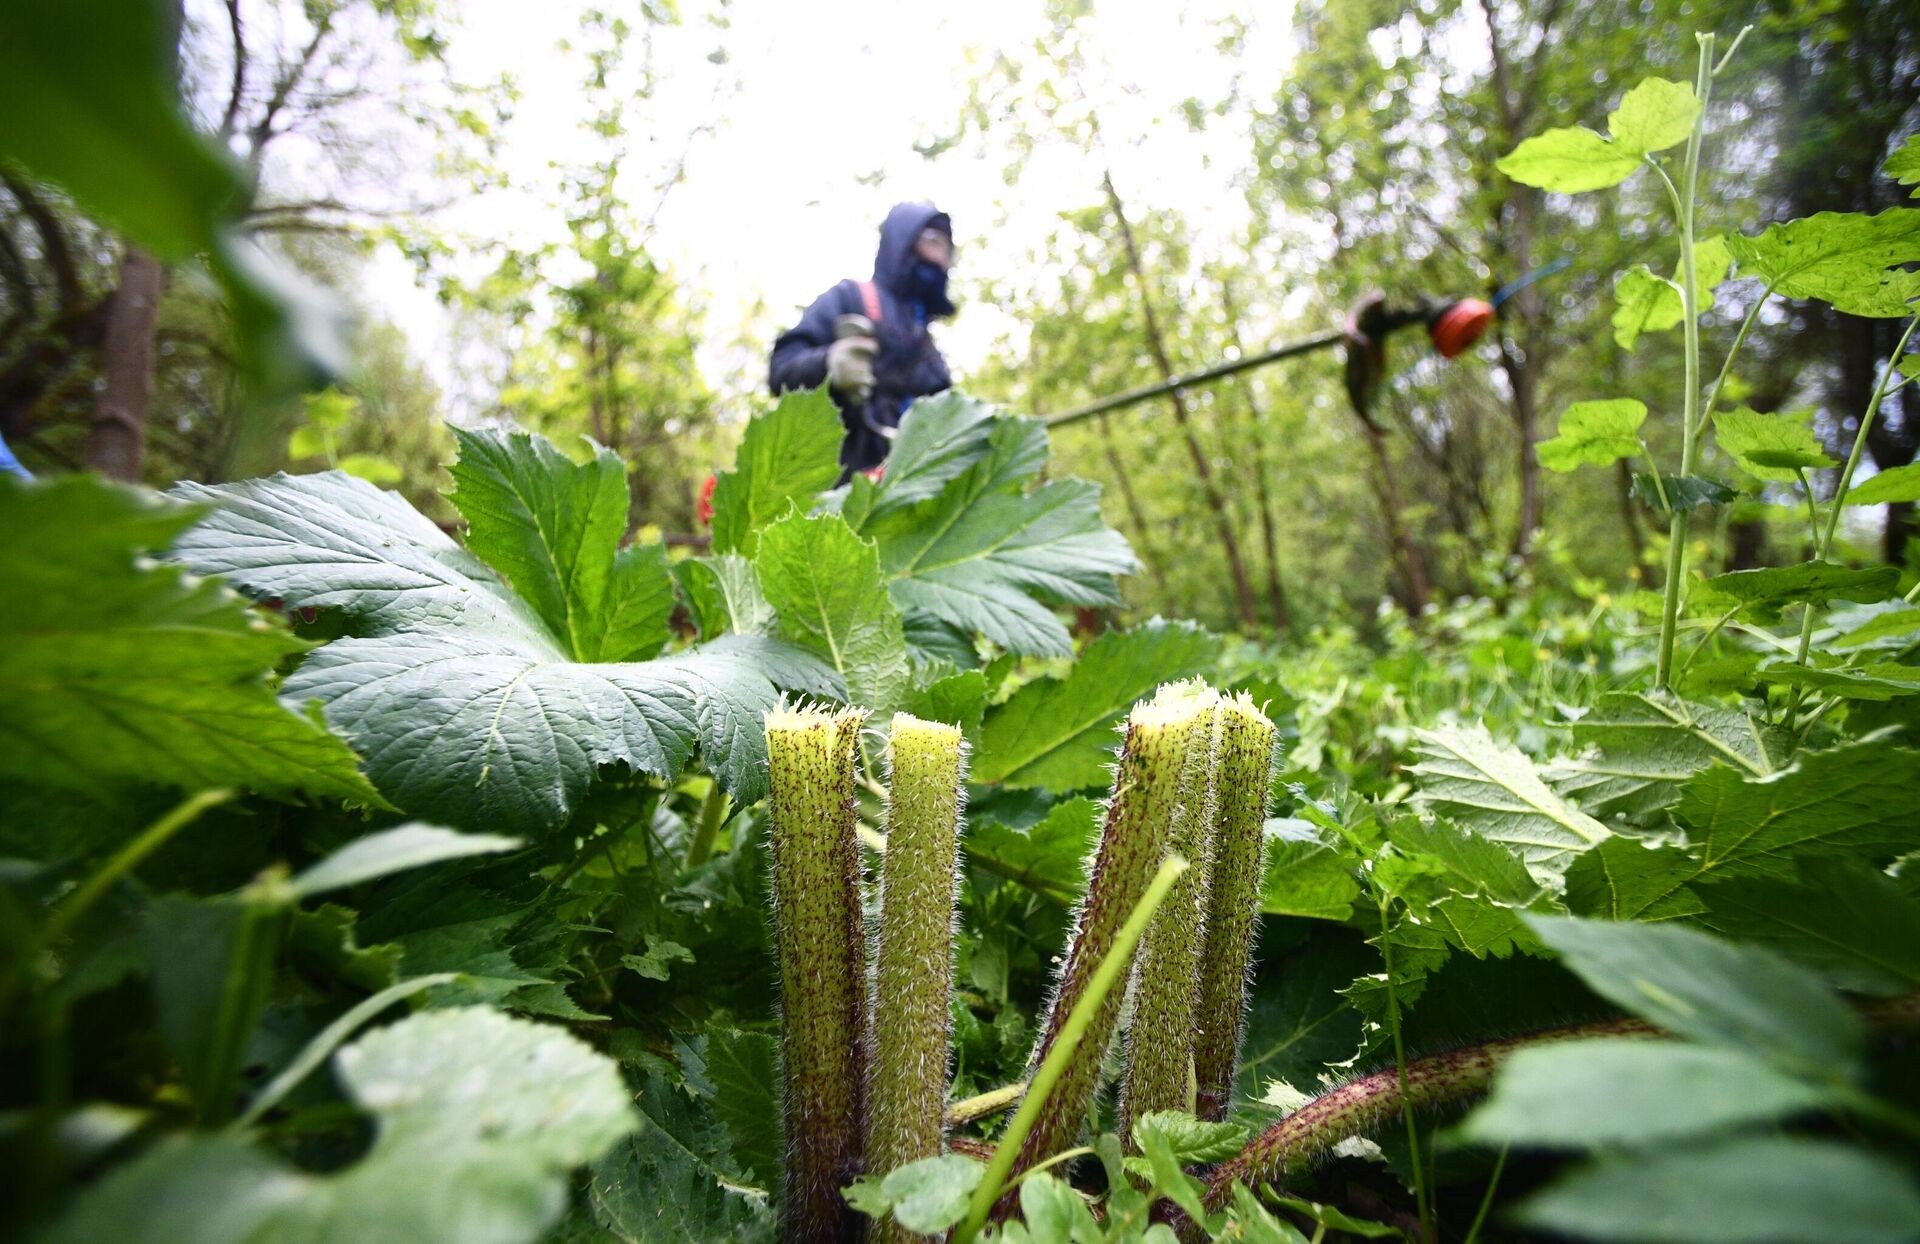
(1904, 165)
(1058, 733)
(1646, 303)
(1651, 117)
(1901, 483)
(673, 1180)
(940, 438)
(552, 529)
(1049, 857)
(1854, 799)
(1846, 259)
(466, 706)
(1768, 590)
(1694, 985)
(1775, 447)
(116, 671)
(824, 583)
(1754, 1190)
(1638, 747)
(1303, 876)
(1880, 681)
(87, 99)
(390, 851)
(1494, 790)
(964, 542)
(478, 1118)
(1627, 1091)
(786, 458)
(1841, 916)
(1595, 434)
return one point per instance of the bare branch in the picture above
(239, 90)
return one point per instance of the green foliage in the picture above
(1595, 434)
(1057, 733)
(468, 1145)
(115, 670)
(1847, 260)
(436, 633)
(1653, 116)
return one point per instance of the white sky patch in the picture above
(818, 139)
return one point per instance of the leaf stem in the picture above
(315, 1051)
(713, 814)
(1733, 352)
(1684, 199)
(1486, 1201)
(1119, 957)
(126, 859)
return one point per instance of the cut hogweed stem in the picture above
(1243, 776)
(1146, 790)
(913, 964)
(1159, 1073)
(811, 755)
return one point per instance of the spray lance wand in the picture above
(1452, 326)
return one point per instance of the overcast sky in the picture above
(818, 112)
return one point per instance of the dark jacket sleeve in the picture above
(800, 354)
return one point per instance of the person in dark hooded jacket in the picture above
(874, 380)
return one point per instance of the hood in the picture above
(895, 256)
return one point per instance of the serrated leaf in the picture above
(787, 456)
(940, 438)
(1418, 950)
(478, 1119)
(925, 1197)
(467, 707)
(389, 851)
(1679, 492)
(1879, 682)
(726, 596)
(1895, 623)
(1644, 303)
(1594, 434)
(824, 583)
(670, 1181)
(1654, 115)
(1845, 259)
(1638, 747)
(1713, 991)
(1904, 165)
(1494, 790)
(744, 1069)
(1049, 857)
(1479, 865)
(1303, 876)
(1631, 1091)
(116, 671)
(985, 561)
(551, 528)
(1750, 1190)
(957, 699)
(1189, 1140)
(1851, 799)
(1839, 916)
(1775, 447)
(1768, 590)
(1570, 160)
(1298, 1023)
(1058, 733)
(1895, 484)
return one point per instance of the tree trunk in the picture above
(1413, 572)
(1203, 471)
(1257, 445)
(117, 438)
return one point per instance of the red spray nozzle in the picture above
(1459, 325)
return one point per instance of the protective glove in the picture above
(850, 366)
